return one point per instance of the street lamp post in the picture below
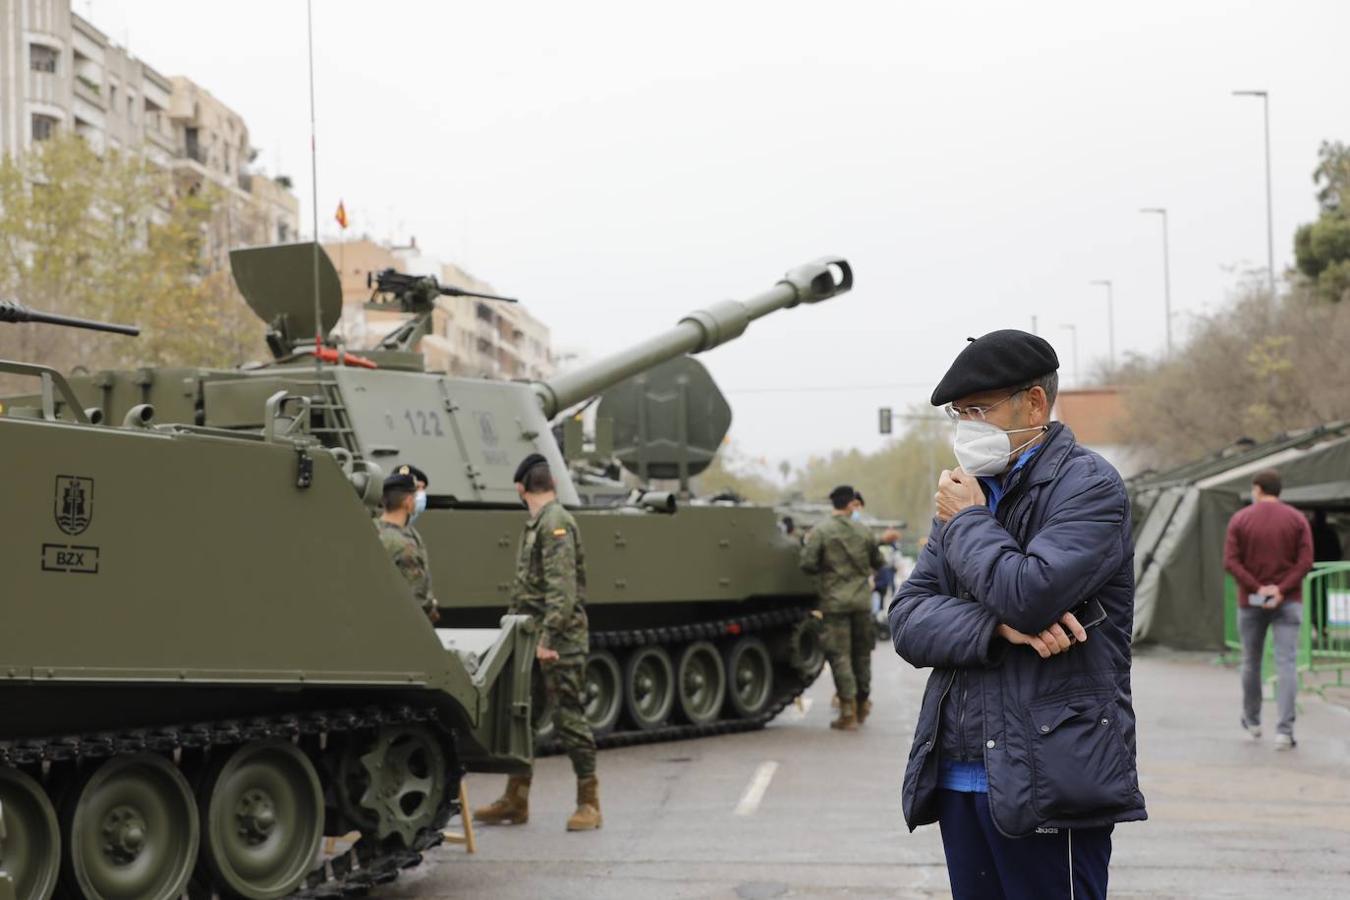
(1110, 317)
(1270, 212)
(1167, 273)
(1073, 330)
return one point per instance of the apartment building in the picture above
(469, 336)
(60, 73)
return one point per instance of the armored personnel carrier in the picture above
(700, 617)
(208, 663)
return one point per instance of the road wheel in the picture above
(749, 677)
(603, 699)
(262, 818)
(131, 831)
(649, 687)
(701, 682)
(31, 835)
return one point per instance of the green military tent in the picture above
(1181, 517)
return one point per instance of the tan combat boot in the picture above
(587, 817)
(864, 708)
(511, 808)
(848, 716)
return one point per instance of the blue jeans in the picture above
(983, 864)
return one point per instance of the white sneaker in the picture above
(1285, 742)
(1253, 730)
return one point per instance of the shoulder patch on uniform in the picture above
(560, 532)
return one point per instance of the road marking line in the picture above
(754, 792)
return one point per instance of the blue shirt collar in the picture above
(995, 488)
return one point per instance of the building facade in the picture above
(469, 336)
(60, 73)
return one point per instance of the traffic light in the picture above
(884, 419)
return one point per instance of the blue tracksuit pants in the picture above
(985, 865)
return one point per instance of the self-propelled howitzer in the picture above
(700, 618)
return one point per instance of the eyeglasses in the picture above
(957, 413)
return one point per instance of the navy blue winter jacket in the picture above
(1058, 734)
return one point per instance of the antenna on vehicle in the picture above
(314, 190)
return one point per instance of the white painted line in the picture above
(754, 792)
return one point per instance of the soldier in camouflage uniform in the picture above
(404, 500)
(844, 553)
(550, 586)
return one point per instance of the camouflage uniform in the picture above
(550, 586)
(404, 546)
(844, 553)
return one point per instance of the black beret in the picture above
(1000, 359)
(400, 481)
(416, 473)
(844, 494)
(527, 464)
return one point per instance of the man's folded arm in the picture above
(930, 628)
(1067, 562)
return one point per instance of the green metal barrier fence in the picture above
(1324, 641)
(1324, 635)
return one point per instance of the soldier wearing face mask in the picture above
(404, 500)
(1024, 752)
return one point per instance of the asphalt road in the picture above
(1230, 817)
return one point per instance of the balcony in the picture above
(90, 91)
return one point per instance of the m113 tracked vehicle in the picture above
(700, 618)
(208, 663)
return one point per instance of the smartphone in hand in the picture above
(1090, 613)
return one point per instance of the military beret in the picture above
(416, 473)
(842, 496)
(527, 464)
(1000, 359)
(400, 481)
(857, 495)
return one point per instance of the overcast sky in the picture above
(617, 164)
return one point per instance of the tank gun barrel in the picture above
(12, 311)
(699, 331)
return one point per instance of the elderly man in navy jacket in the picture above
(1022, 603)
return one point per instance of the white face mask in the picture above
(856, 515)
(985, 449)
(419, 506)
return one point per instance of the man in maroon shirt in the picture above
(1269, 550)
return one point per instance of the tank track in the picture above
(787, 690)
(368, 864)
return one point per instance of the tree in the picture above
(1263, 365)
(1252, 370)
(108, 236)
(1322, 248)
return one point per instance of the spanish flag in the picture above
(341, 215)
